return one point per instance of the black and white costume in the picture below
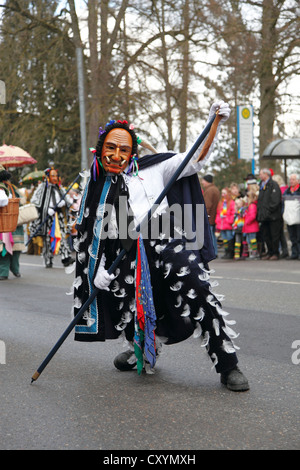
(184, 298)
(47, 196)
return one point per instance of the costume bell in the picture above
(160, 292)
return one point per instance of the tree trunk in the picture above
(93, 108)
(183, 101)
(267, 111)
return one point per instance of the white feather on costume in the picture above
(77, 283)
(83, 237)
(203, 276)
(229, 331)
(229, 322)
(178, 248)
(77, 302)
(186, 311)
(126, 317)
(192, 257)
(220, 297)
(167, 269)
(228, 347)
(81, 257)
(200, 314)
(216, 326)
(76, 244)
(221, 311)
(212, 300)
(205, 340)
(214, 284)
(129, 279)
(184, 270)
(122, 293)
(191, 294)
(115, 287)
(214, 359)
(179, 301)
(197, 331)
(176, 286)
(132, 305)
(160, 248)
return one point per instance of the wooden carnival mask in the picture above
(53, 177)
(116, 150)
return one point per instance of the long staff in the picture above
(215, 119)
(54, 208)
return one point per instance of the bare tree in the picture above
(259, 51)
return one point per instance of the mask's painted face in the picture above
(116, 150)
(53, 177)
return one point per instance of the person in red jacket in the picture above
(251, 225)
(224, 221)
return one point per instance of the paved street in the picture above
(81, 401)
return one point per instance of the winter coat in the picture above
(250, 219)
(211, 196)
(288, 192)
(225, 223)
(269, 205)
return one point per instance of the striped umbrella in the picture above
(15, 156)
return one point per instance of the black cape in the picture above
(100, 321)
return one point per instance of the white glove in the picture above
(61, 204)
(224, 110)
(3, 198)
(103, 279)
(51, 211)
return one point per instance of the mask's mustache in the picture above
(108, 161)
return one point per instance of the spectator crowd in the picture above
(258, 219)
(250, 219)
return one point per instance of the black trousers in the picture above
(271, 231)
(294, 234)
(184, 299)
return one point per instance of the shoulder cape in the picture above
(186, 191)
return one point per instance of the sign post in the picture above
(245, 133)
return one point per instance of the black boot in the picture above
(235, 380)
(67, 261)
(121, 361)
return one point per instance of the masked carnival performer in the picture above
(48, 196)
(160, 291)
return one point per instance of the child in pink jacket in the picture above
(224, 221)
(251, 226)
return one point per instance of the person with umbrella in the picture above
(51, 224)
(11, 243)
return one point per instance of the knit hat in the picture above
(208, 178)
(250, 179)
